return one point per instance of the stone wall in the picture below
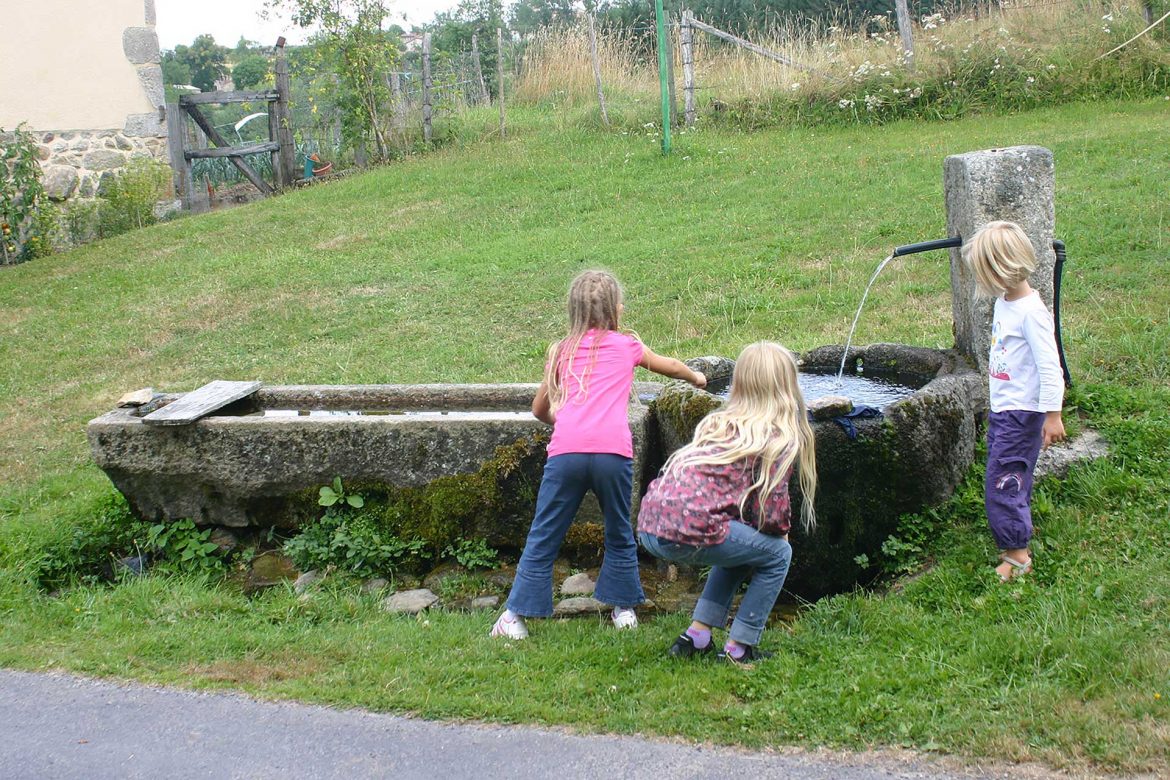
(75, 161)
(89, 119)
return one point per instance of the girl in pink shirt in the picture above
(584, 395)
(722, 501)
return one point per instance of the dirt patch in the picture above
(339, 242)
(251, 671)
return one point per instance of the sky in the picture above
(179, 21)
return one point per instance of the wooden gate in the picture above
(279, 144)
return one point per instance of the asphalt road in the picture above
(61, 726)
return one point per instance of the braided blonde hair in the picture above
(595, 300)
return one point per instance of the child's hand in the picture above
(1053, 430)
(700, 380)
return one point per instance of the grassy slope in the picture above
(452, 268)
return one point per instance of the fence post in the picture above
(285, 176)
(176, 144)
(903, 11)
(686, 38)
(597, 70)
(483, 93)
(670, 85)
(426, 69)
(398, 120)
(500, 78)
(663, 89)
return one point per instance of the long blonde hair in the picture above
(765, 421)
(1001, 255)
(595, 300)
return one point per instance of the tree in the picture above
(528, 15)
(175, 71)
(251, 71)
(244, 47)
(353, 44)
(206, 60)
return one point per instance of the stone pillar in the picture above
(1014, 184)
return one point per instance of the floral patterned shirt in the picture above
(696, 505)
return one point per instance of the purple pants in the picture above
(1013, 443)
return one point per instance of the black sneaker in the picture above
(751, 654)
(684, 647)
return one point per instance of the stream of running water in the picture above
(857, 316)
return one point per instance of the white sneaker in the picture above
(510, 625)
(624, 617)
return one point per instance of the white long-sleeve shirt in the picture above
(1024, 366)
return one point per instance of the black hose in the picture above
(1057, 273)
(927, 246)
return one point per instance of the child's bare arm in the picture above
(1053, 428)
(667, 366)
(541, 408)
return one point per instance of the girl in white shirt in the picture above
(1025, 382)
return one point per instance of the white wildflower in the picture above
(845, 103)
(1050, 66)
(1031, 79)
(794, 86)
(872, 102)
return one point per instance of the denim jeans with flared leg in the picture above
(744, 553)
(566, 479)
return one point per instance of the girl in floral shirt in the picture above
(722, 501)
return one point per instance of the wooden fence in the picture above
(279, 144)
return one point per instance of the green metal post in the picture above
(662, 74)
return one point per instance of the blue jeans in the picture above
(566, 478)
(744, 553)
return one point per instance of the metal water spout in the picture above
(954, 242)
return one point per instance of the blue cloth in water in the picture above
(859, 413)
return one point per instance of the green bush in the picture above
(989, 74)
(128, 198)
(472, 554)
(27, 218)
(89, 552)
(354, 542)
(184, 547)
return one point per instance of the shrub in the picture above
(128, 198)
(27, 218)
(184, 547)
(472, 554)
(89, 551)
(354, 542)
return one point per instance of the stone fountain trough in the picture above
(910, 458)
(260, 461)
(472, 454)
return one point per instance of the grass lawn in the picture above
(453, 268)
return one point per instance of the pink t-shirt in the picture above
(596, 420)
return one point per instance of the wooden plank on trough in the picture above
(204, 401)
